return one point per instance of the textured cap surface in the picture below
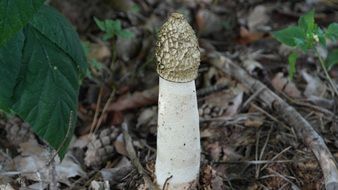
(177, 52)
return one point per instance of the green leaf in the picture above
(321, 36)
(115, 25)
(10, 63)
(292, 64)
(310, 30)
(112, 28)
(47, 89)
(100, 24)
(135, 8)
(331, 59)
(307, 22)
(291, 36)
(126, 34)
(49, 60)
(332, 31)
(14, 15)
(62, 33)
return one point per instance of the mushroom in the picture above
(178, 136)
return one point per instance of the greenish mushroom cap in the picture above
(177, 52)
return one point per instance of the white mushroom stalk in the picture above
(178, 137)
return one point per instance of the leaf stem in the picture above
(322, 64)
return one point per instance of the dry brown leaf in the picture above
(81, 142)
(136, 100)
(98, 51)
(314, 87)
(247, 37)
(208, 22)
(69, 168)
(257, 122)
(251, 66)
(210, 180)
(116, 174)
(283, 84)
(33, 161)
(6, 187)
(257, 18)
(147, 117)
(323, 102)
(234, 105)
(215, 150)
(120, 146)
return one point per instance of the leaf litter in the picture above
(245, 145)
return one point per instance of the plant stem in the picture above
(333, 84)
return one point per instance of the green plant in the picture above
(41, 67)
(306, 36)
(112, 28)
(93, 64)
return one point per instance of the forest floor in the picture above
(246, 143)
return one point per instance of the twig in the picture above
(302, 127)
(105, 108)
(277, 155)
(322, 64)
(208, 90)
(294, 186)
(134, 159)
(257, 162)
(258, 168)
(253, 96)
(314, 107)
(269, 116)
(97, 109)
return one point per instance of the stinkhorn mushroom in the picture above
(178, 137)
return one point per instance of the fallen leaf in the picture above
(116, 174)
(234, 105)
(120, 145)
(6, 187)
(33, 161)
(69, 168)
(147, 117)
(257, 18)
(136, 100)
(81, 142)
(323, 102)
(247, 37)
(208, 22)
(256, 122)
(251, 66)
(283, 84)
(314, 87)
(98, 51)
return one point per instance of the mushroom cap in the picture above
(177, 52)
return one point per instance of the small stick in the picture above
(210, 89)
(97, 109)
(105, 108)
(134, 159)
